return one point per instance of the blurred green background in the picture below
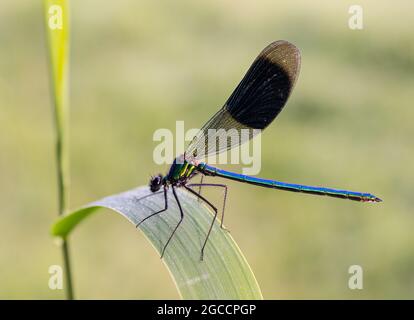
(137, 66)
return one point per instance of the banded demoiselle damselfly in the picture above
(253, 105)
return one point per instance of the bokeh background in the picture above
(137, 66)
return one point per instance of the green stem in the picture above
(57, 30)
(63, 196)
(68, 271)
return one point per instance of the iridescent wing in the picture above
(253, 105)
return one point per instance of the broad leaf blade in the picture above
(224, 273)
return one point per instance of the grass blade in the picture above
(57, 29)
(224, 273)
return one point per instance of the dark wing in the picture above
(254, 104)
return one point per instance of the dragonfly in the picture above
(253, 105)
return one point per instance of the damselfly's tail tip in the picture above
(377, 199)
(374, 199)
(370, 198)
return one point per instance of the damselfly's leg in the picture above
(178, 224)
(200, 184)
(224, 198)
(149, 195)
(212, 223)
(158, 212)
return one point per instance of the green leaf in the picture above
(56, 19)
(57, 30)
(223, 274)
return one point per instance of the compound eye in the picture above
(157, 180)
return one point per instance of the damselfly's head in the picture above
(156, 183)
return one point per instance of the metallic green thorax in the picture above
(180, 171)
